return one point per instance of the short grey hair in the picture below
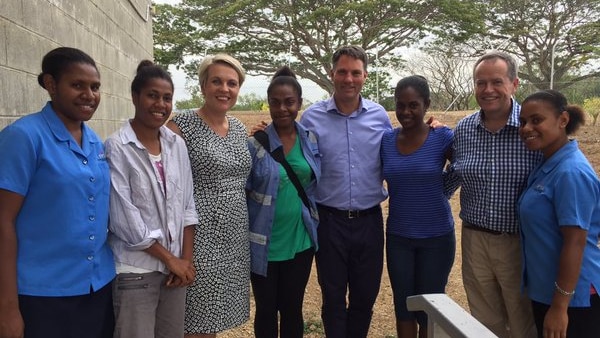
(513, 69)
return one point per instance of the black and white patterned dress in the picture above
(219, 299)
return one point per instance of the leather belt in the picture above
(467, 225)
(350, 213)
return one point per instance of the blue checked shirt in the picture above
(492, 169)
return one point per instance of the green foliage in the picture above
(377, 86)
(388, 103)
(264, 35)
(592, 107)
(249, 102)
(173, 32)
(313, 325)
(541, 33)
(196, 101)
(304, 33)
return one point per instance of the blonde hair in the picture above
(225, 59)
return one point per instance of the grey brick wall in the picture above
(116, 33)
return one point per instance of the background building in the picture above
(116, 33)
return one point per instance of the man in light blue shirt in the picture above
(350, 257)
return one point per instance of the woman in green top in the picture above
(283, 230)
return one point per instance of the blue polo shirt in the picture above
(62, 225)
(562, 191)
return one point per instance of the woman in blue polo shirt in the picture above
(560, 221)
(283, 231)
(55, 264)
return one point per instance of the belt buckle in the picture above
(352, 214)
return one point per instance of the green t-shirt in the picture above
(289, 235)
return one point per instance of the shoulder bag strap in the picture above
(279, 156)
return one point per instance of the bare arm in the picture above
(187, 254)
(258, 127)
(179, 267)
(434, 123)
(11, 322)
(188, 242)
(569, 266)
(173, 126)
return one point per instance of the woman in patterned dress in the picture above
(219, 297)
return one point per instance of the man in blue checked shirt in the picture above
(492, 164)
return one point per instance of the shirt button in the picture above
(92, 218)
(90, 257)
(91, 198)
(92, 179)
(92, 237)
(84, 162)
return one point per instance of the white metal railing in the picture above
(445, 318)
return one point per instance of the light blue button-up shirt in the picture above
(351, 176)
(62, 225)
(144, 210)
(562, 191)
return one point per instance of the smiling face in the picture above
(221, 88)
(284, 104)
(75, 94)
(348, 78)
(410, 108)
(493, 87)
(154, 103)
(542, 128)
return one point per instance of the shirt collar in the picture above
(60, 132)
(513, 118)
(127, 135)
(567, 149)
(331, 107)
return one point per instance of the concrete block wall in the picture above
(116, 33)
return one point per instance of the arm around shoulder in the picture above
(174, 127)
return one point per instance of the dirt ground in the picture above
(383, 324)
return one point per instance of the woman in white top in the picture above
(152, 213)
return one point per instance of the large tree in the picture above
(557, 41)
(449, 73)
(302, 33)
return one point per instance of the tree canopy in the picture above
(556, 41)
(264, 35)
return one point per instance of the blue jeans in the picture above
(418, 266)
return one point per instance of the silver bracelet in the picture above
(563, 292)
